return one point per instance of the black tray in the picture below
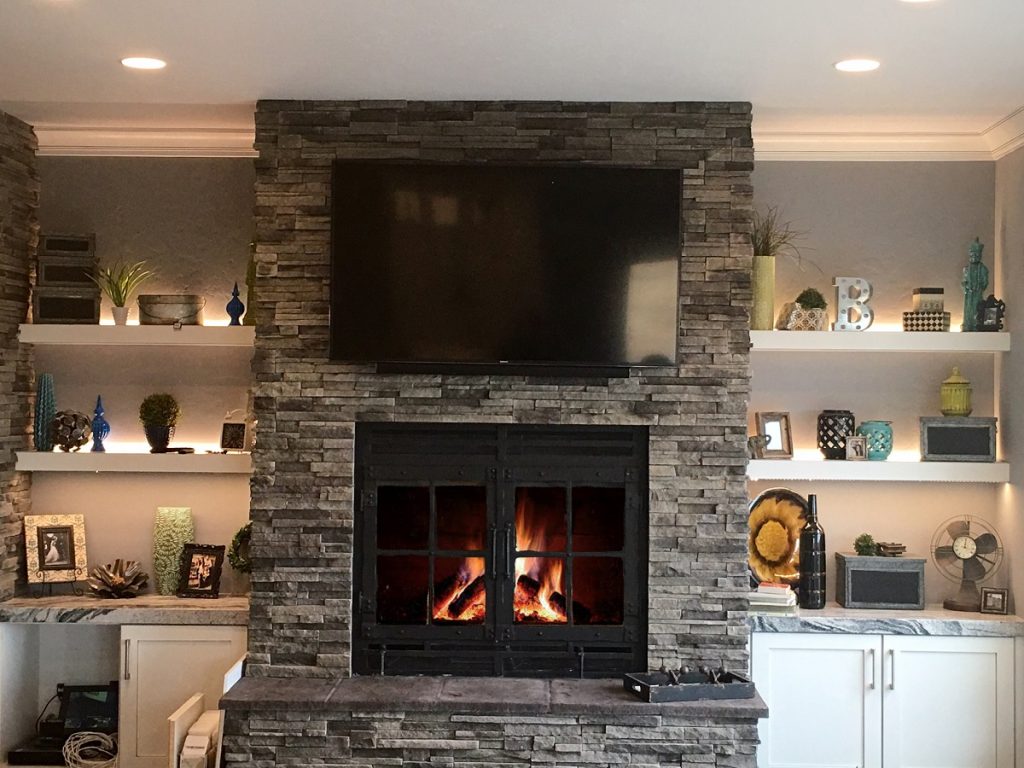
(658, 687)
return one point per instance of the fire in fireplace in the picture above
(500, 550)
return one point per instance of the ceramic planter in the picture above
(762, 314)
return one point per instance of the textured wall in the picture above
(190, 219)
(302, 492)
(19, 199)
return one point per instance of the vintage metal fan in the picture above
(966, 550)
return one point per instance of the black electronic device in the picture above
(504, 266)
(82, 708)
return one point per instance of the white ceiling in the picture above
(952, 70)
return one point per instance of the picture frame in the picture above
(995, 600)
(232, 436)
(774, 426)
(55, 550)
(200, 570)
(856, 448)
(990, 314)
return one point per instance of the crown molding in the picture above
(998, 140)
(1007, 135)
(145, 142)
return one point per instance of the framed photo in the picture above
(200, 570)
(856, 448)
(774, 427)
(55, 548)
(995, 600)
(232, 436)
(990, 314)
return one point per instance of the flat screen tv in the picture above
(504, 265)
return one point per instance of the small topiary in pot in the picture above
(159, 414)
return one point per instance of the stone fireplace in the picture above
(316, 621)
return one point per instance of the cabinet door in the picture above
(162, 667)
(948, 701)
(824, 700)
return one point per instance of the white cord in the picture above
(87, 749)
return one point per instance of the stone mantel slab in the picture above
(472, 696)
(147, 609)
(933, 620)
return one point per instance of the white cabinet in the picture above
(161, 667)
(948, 702)
(824, 698)
(892, 701)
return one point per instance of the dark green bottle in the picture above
(812, 559)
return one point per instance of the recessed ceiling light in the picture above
(857, 65)
(143, 62)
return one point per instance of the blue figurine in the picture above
(100, 427)
(235, 307)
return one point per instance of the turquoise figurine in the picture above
(974, 283)
(235, 307)
(100, 427)
(45, 410)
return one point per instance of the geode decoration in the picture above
(172, 530)
(71, 430)
(125, 578)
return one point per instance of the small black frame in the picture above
(201, 566)
(990, 314)
(995, 600)
(232, 436)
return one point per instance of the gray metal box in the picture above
(958, 438)
(879, 582)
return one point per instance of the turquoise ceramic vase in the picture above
(879, 435)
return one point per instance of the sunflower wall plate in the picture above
(773, 539)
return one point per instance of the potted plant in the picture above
(770, 238)
(119, 282)
(807, 313)
(159, 414)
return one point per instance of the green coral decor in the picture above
(864, 545)
(171, 532)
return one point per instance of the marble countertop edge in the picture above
(933, 620)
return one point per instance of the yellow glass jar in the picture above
(955, 395)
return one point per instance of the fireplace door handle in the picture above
(494, 552)
(509, 554)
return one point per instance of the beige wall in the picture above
(900, 226)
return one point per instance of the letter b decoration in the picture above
(852, 310)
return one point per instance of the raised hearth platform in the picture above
(480, 721)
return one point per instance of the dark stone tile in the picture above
(586, 697)
(386, 693)
(495, 695)
(277, 693)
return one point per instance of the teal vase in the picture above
(879, 435)
(45, 410)
(172, 531)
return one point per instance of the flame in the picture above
(545, 572)
(475, 606)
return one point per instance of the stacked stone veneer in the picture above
(307, 406)
(19, 230)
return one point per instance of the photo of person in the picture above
(56, 548)
(200, 573)
(200, 570)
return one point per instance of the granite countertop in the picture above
(472, 695)
(933, 620)
(147, 609)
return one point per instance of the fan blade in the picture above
(973, 569)
(958, 528)
(944, 554)
(987, 543)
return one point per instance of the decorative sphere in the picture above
(71, 430)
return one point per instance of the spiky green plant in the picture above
(772, 237)
(120, 281)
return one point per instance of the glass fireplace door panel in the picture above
(539, 581)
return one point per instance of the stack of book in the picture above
(773, 598)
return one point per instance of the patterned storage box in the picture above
(926, 321)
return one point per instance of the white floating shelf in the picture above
(85, 461)
(884, 471)
(878, 341)
(138, 335)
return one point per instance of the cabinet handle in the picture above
(871, 651)
(127, 667)
(892, 670)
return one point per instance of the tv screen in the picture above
(505, 264)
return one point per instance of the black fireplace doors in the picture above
(500, 550)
